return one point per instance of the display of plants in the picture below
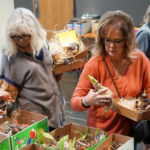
(84, 142)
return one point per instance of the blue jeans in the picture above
(51, 128)
(135, 147)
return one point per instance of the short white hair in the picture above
(147, 15)
(23, 20)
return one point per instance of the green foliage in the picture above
(79, 132)
(94, 81)
(40, 137)
(97, 131)
(71, 144)
(60, 143)
(47, 135)
(85, 135)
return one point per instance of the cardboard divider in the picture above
(4, 142)
(64, 130)
(78, 60)
(33, 147)
(136, 116)
(3, 137)
(128, 142)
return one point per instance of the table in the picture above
(88, 40)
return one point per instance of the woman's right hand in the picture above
(96, 98)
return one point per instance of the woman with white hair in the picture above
(26, 69)
(143, 35)
(143, 41)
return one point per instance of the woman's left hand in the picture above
(59, 77)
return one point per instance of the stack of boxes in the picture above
(84, 25)
(27, 139)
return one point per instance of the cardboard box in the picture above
(4, 142)
(83, 27)
(77, 61)
(136, 116)
(136, 29)
(128, 142)
(69, 129)
(28, 135)
(70, 25)
(94, 27)
(33, 147)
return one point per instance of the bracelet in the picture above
(84, 102)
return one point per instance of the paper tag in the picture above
(66, 38)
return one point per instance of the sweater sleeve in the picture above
(146, 74)
(143, 38)
(7, 85)
(82, 89)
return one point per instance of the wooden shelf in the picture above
(92, 35)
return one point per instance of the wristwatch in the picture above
(84, 102)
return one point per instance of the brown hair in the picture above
(111, 21)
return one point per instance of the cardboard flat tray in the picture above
(78, 60)
(70, 129)
(136, 116)
(128, 142)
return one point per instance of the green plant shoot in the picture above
(85, 135)
(79, 132)
(60, 143)
(71, 144)
(97, 131)
(94, 81)
(47, 135)
(40, 137)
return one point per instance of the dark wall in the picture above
(135, 8)
(24, 3)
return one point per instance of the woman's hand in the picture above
(147, 107)
(58, 77)
(96, 98)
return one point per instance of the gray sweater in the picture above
(143, 39)
(34, 84)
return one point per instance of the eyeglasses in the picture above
(115, 42)
(24, 37)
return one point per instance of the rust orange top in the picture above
(136, 78)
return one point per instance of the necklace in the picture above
(117, 67)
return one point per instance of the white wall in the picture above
(6, 7)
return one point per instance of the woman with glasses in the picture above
(114, 42)
(26, 69)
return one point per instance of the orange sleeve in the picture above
(82, 89)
